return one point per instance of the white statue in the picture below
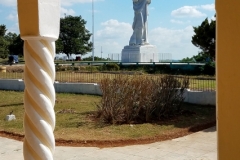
(139, 36)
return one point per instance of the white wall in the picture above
(200, 97)
(82, 88)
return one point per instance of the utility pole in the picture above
(93, 29)
(101, 52)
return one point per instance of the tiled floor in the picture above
(198, 146)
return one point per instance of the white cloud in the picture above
(209, 7)
(187, 11)
(114, 29)
(12, 17)
(71, 2)
(113, 36)
(8, 2)
(176, 42)
(14, 28)
(213, 18)
(67, 12)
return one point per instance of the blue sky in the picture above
(170, 22)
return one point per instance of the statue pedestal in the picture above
(144, 53)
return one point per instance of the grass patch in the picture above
(2, 61)
(75, 119)
(198, 84)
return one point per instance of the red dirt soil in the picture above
(118, 143)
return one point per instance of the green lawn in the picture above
(2, 61)
(74, 119)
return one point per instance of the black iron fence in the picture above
(198, 83)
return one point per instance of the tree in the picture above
(2, 30)
(3, 48)
(10, 43)
(3, 42)
(74, 37)
(16, 44)
(96, 58)
(10, 37)
(205, 37)
(200, 57)
(187, 60)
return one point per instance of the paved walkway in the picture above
(198, 146)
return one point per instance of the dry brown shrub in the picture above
(169, 95)
(15, 69)
(140, 99)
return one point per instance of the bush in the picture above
(15, 69)
(140, 99)
(60, 68)
(63, 68)
(169, 96)
(209, 68)
(76, 68)
(92, 68)
(110, 67)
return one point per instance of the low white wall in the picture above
(12, 84)
(195, 97)
(82, 88)
(200, 97)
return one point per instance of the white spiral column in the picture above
(39, 23)
(39, 98)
